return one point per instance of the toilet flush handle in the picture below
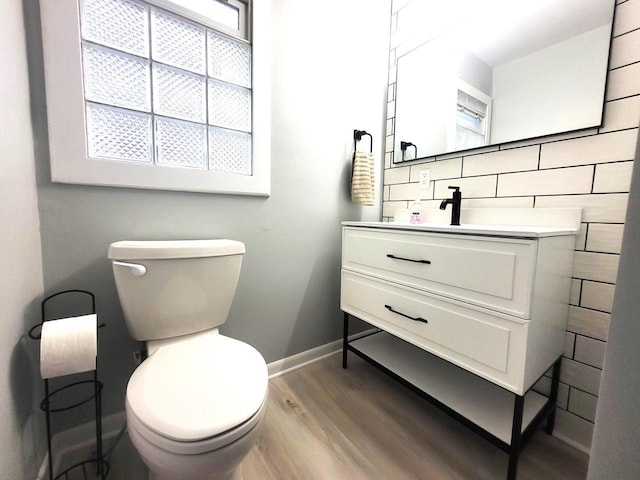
(137, 270)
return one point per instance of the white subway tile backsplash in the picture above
(623, 82)
(408, 192)
(621, 114)
(583, 404)
(590, 323)
(627, 17)
(389, 130)
(388, 145)
(576, 290)
(506, 202)
(611, 207)
(391, 109)
(610, 147)
(513, 160)
(575, 428)
(470, 187)
(581, 376)
(625, 49)
(391, 95)
(597, 296)
(389, 208)
(601, 267)
(605, 237)
(397, 175)
(590, 351)
(612, 177)
(429, 205)
(438, 170)
(559, 181)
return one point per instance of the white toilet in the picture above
(196, 404)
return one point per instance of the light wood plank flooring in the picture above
(327, 423)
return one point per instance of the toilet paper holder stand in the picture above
(92, 389)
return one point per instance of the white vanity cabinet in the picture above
(469, 317)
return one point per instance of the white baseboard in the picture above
(43, 473)
(293, 362)
(572, 443)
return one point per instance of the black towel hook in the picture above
(404, 146)
(358, 134)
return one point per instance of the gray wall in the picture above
(22, 443)
(614, 452)
(329, 76)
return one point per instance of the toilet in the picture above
(196, 404)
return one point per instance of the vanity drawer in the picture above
(487, 344)
(495, 273)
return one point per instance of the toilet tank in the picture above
(172, 288)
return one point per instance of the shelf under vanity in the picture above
(480, 403)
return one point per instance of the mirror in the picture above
(486, 72)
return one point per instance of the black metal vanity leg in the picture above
(345, 341)
(553, 396)
(516, 436)
(47, 413)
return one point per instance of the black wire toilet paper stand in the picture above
(92, 390)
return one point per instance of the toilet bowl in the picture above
(196, 405)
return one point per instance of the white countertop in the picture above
(471, 229)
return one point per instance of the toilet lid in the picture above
(198, 388)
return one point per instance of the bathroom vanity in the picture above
(469, 317)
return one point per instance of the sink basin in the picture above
(508, 222)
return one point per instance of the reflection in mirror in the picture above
(496, 71)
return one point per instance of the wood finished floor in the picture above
(326, 423)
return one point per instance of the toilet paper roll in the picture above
(68, 345)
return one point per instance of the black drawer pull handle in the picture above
(416, 319)
(428, 262)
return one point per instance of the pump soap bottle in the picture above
(417, 214)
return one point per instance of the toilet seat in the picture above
(193, 448)
(200, 389)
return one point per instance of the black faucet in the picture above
(455, 202)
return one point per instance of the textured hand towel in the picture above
(363, 178)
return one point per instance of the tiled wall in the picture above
(591, 169)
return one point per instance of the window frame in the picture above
(243, 8)
(66, 118)
(478, 95)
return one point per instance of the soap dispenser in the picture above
(417, 214)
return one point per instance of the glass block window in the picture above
(163, 89)
(118, 133)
